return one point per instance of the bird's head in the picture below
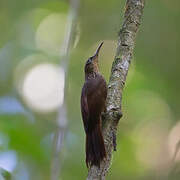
(92, 63)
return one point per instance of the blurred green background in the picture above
(32, 82)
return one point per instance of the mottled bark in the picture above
(120, 67)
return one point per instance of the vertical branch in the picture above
(62, 118)
(120, 67)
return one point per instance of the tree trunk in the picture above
(120, 67)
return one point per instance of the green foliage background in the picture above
(151, 97)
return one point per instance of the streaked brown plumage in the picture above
(93, 98)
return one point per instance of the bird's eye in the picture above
(88, 61)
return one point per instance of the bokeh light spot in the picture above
(50, 33)
(8, 160)
(151, 131)
(43, 87)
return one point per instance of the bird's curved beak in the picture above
(98, 49)
(95, 57)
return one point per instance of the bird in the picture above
(93, 104)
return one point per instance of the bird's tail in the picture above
(95, 149)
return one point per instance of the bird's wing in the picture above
(93, 99)
(84, 109)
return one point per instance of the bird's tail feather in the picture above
(95, 149)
